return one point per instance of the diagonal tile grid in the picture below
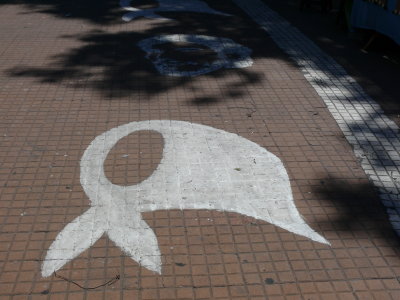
(373, 136)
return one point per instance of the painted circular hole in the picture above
(134, 158)
(187, 56)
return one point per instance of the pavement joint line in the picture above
(363, 122)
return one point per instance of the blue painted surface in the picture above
(371, 16)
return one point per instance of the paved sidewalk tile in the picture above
(72, 75)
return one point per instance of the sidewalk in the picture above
(207, 210)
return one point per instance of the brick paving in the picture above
(70, 72)
(372, 134)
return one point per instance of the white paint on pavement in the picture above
(201, 168)
(228, 54)
(374, 137)
(167, 6)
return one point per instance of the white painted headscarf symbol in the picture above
(167, 6)
(201, 168)
(229, 54)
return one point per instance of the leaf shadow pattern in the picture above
(360, 118)
(356, 210)
(112, 63)
(95, 12)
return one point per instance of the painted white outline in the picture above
(167, 6)
(201, 168)
(230, 55)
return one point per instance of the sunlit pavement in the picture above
(273, 175)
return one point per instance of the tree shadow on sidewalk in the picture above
(97, 12)
(356, 210)
(112, 63)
